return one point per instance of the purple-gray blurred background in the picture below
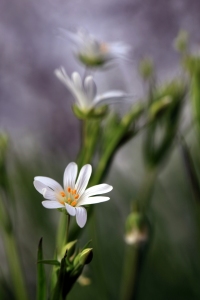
(35, 108)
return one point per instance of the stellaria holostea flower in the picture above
(92, 52)
(74, 194)
(85, 91)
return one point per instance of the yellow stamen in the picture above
(62, 202)
(76, 197)
(73, 203)
(68, 200)
(62, 194)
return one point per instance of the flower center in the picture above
(70, 197)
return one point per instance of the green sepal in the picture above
(84, 258)
(41, 280)
(69, 248)
(93, 113)
(92, 61)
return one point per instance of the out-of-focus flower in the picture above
(74, 194)
(92, 52)
(85, 91)
(136, 230)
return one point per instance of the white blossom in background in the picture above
(74, 194)
(92, 52)
(85, 91)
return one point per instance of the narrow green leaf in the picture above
(49, 262)
(41, 281)
(59, 291)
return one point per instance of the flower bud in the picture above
(136, 230)
(181, 41)
(146, 68)
(84, 258)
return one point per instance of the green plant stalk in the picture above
(111, 148)
(63, 232)
(129, 273)
(132, 261)
(89, 140)
(14, 266)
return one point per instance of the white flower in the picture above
(93, 52)
(74, 194)
(85, 91)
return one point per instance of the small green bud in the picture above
(159, 107)
(181, 41)
(84, 258)
(135, 228)
(146, 68)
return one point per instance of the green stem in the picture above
(129, 272)
(15, 268)
(63, 232)
(113, 145)
(133, 255)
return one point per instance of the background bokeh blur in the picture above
(35, 111)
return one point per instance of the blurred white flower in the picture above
(93, 52)
(74, 194)
(85, 91)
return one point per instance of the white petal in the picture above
(111, 97)
(54, 185)
(76, 78)
(119, 49)
(81, 216)
(64, 78)
(98, 190)
(45, 190)
(52, 204)
(73, 36)
(93, 200)
(90, 87)
(70, 175)
(70, 209)
(83, 179)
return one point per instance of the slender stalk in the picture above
(63, 232)
(129, 272)
(134, 253)
(67, 230)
